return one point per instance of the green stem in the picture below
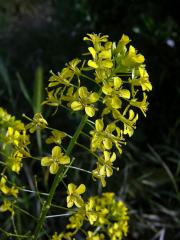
(58, 178)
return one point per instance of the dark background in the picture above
(45, 34)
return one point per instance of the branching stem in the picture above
(58, 178)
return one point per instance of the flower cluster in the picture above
(109, 86)
(118, 73)
(14, 140)
(103, 217)
(14, 147)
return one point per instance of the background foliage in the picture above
(36, 36)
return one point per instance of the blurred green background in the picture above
(39, 35)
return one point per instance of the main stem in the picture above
(58, 178)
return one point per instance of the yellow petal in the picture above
(64, 160)
(125, 39)
(106, 156)
(76, 106)
(116, 102)
(106, 89)
(83, 92)
(81, 189)
(125, 93)
(90, 111)
(69, 202)
(113, 157)
(117, 82)
(105, 54)
(78, 201)
(131, 114)
(107, 63)
(71, 188)
(99, 125)
(109, 171)
(92, 51)
(132, 50)
(46, 161)
(56, 152)
(92, 64)
(54, 168)
(107, 143)
(94, 97)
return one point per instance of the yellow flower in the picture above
(3, 187)
(101, 59)
(63, 236)
(97, 174)
(142, 81)
(143, 105)
(129, 123)
(74, 193)
(56, 137)
(103, 139)
(90, 211)
(15, 161)
(84, 101)
(7, 206)
(95, 236)
(13, 136)
(114, 91)
(132, 59)
(96, 40)
(121, 47)
(76, 220)
(38, 122)
(105, 167)
(55, 160)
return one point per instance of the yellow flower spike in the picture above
(74, 193)
(55, 160)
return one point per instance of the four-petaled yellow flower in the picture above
(85, 100)
(55, 160)
(38, 122)
(74, 193)
(106, 162)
